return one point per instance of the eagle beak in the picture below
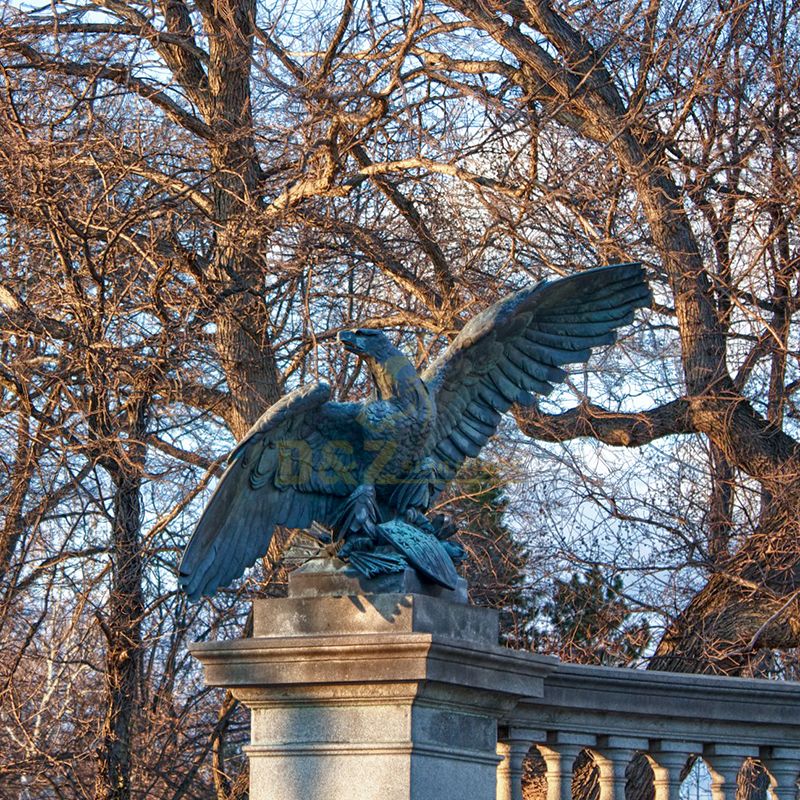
(348, 339)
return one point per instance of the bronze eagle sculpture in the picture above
(370, 471)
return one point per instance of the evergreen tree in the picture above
(589, 621)
(495, 568)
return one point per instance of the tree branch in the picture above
(622, 429)
(441, 266)
(119, 74)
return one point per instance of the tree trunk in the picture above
(122, 629)
(243, 332)
(122, 622)
(242, 338)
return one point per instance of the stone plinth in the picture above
(323, 577)
(391, 696)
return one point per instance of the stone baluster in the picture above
(783, 765)
(668, 760)
(724, 763)
(613, 754)
(513, 747)
(559, 754)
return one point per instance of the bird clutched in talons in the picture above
(369, 471)
(401, 545)
(382, 548)
(425, 553)
(376, 562)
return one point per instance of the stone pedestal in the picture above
(357, 696)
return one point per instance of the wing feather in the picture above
(297, 464)
(577, 323)
(521, 378)
(449, 452)
(519, 345)
(551, 349)
(485, 414)
(464, 443)
(504, 387)
(490, 397)
(476, 431)
(526, 360)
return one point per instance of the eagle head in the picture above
(367, 343)
(392, 373)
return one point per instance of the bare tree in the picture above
(197, 198)
(693, 166)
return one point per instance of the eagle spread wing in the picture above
(518, 346)
(297, 464)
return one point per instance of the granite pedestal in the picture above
(383, 690)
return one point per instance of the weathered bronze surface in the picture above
(370, 471)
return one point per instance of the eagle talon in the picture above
(356, 543)
(443, 526)
(413, 516)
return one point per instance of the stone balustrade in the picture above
(616, 714)
(389, 690)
